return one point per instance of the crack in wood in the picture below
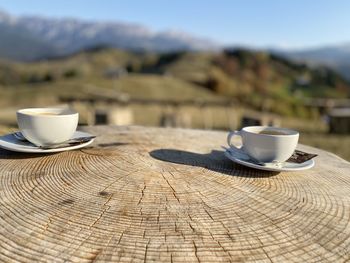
(196, 251)
(142, 193)
(107, 207)
(118, 179)
(120, 237)
(146, 250)
(262, 247)
(172, 188)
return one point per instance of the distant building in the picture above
(115, 115)
(258, 119)
(115, 72)
(339, 121)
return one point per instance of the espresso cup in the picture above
(266, 144)
(47, 126)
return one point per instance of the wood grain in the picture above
(169, 195)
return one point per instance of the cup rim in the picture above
(290, 132)
(63, 112)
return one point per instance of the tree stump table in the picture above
(169, 195)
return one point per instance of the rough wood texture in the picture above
(146, 194)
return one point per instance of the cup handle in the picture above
(229, 138)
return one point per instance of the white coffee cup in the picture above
(266, 144)
(47, 126)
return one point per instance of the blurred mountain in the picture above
(336, 57)
(33, 37)
(17, 43)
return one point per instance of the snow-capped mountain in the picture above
(336, 57)
(67, 35)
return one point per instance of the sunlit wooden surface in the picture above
(169, 195)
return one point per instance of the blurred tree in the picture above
(48, 77)
(70, 73)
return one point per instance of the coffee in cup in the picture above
(266, 144)
(47, 126)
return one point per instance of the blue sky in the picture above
(261, 23)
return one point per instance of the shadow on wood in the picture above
(112, 144)
(6, 154)
(215, 161)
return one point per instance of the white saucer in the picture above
(285, 167)
(9, 142)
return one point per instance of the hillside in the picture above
(256, 79)
(88, 73)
